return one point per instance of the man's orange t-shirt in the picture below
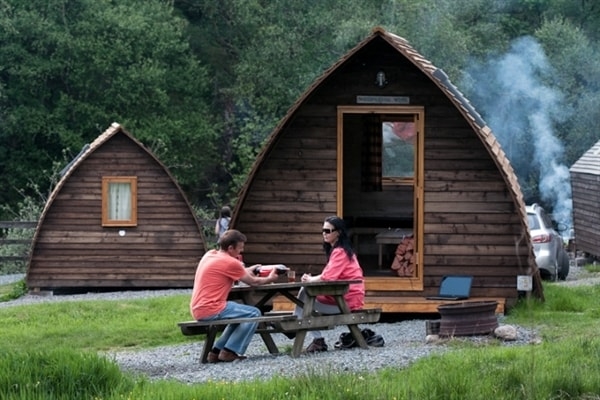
(216, 273)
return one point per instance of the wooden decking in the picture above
(406, 305)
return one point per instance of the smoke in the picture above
(513, 93)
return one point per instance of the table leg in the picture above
(307, 310)
(354, 329)
(271, 346)
(208, 343)
(298, 343)
(357, 335)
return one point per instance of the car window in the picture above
(547, 221)
(533, 222)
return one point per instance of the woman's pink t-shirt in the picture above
(340, 267)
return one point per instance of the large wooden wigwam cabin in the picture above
(117, 219)
(386, 141)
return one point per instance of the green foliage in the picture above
(577, 75)
(28, 209)
(70, 69)
(89, 325)
(59, 374)
(203, 83)
(528, 372)
(592, 267)
(17, 290)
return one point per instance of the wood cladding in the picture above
(72, 249)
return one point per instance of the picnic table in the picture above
(258, 296)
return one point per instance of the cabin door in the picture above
(380, 191)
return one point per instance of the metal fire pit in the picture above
(468, 318)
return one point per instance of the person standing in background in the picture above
(222, 223)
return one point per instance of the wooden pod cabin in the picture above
(386, 141)
(585, 189)
(116, 219)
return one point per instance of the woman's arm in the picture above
(310, 278)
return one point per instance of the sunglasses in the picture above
(328, 231)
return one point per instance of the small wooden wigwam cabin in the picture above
(384, 140)
(585, 189)
(117, 219)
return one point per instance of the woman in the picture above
(222, 223)
(342, 264)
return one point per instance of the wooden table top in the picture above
(287, 286)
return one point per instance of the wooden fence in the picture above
(18, 254)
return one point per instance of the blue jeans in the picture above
(236, 337)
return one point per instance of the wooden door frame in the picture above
(390, 283)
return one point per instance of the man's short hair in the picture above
(231, 237)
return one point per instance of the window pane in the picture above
(119, 201)
(398, 149)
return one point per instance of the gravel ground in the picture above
(405, 342)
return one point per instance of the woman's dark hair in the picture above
(225, 212)
(343, 237)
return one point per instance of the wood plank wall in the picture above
(74, 250)
(586, 212)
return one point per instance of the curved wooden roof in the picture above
(589, 162)
(85, 153)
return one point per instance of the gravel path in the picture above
(405, 342)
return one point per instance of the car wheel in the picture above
(564, 265)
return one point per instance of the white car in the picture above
(550, 255)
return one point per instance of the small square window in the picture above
(119, 201)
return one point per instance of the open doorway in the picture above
(380, 174)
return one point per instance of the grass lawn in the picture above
(48, 351)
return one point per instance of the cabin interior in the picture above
(380, 182)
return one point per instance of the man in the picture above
(215, 275)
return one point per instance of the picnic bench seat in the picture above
(266, 325)
(329, 321)
(191, 328)
(278, 322)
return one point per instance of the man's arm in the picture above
(253, 280)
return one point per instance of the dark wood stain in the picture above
(72, 249)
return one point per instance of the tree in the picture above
(70, 68)
(577, 64)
